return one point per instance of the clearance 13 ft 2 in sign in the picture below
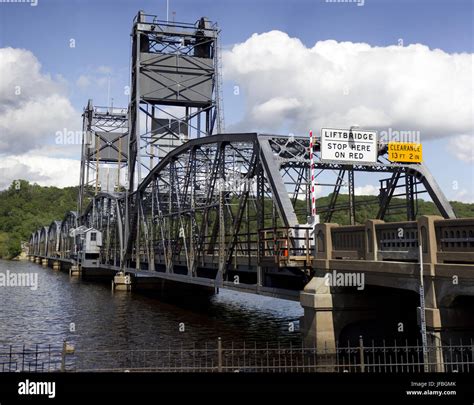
(405, 152)
(348, 145)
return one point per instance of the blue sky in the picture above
(101, 31)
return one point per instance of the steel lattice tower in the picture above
(104, 152)
(174, 88)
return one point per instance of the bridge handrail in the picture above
(286, 242)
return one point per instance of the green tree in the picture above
(24, 207)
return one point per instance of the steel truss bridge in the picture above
(225, 210)
(166, 196)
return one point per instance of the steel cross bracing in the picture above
(201, 210)
(106, 213)
(174, 88)
(104, 153)
(222, 208)
(227, 207)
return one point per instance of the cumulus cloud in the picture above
(46, 171)
(368, 189)
(33, 106)
(288, 86)
(462, 147)
(96, 77)
(464, 195)
(83, 81)
(104, 69)
(11, 169)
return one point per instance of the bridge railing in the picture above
(245, 246)
(285, 244)
(349, 242)
(397, 241)
(455, 240)
(443, 241)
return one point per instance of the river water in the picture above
(91, 316)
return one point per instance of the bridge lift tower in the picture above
(174, 88)
(174, 96)
(104, 153)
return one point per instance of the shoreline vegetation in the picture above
(24, 207)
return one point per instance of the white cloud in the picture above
(11, 169)
(46, 171)
(33, 106)
(102, 81)
(368, 189)
(104, 69)
(276, 110)
(462, 147)
(464, 195)
(83, 81)
(338, 84)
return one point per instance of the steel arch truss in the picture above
(43, 241)
(67, 246)
(105, 213)
(54, 232)
(201, 211)
(34, 242)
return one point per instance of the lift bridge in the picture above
(166, 196)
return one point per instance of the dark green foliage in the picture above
(368, 206)
(25, 207)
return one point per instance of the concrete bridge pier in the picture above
(317, 302)
(435, 358)
(386, 305)
(434, 327)
(37, 260)
(426, 228)
(122, 282)
(318, 322)
(75, 270)
(56, 265)
(44, 262)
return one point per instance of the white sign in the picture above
(348, 145)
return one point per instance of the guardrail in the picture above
(285, 244)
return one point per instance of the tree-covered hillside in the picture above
(367, 208)
(25, 207)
